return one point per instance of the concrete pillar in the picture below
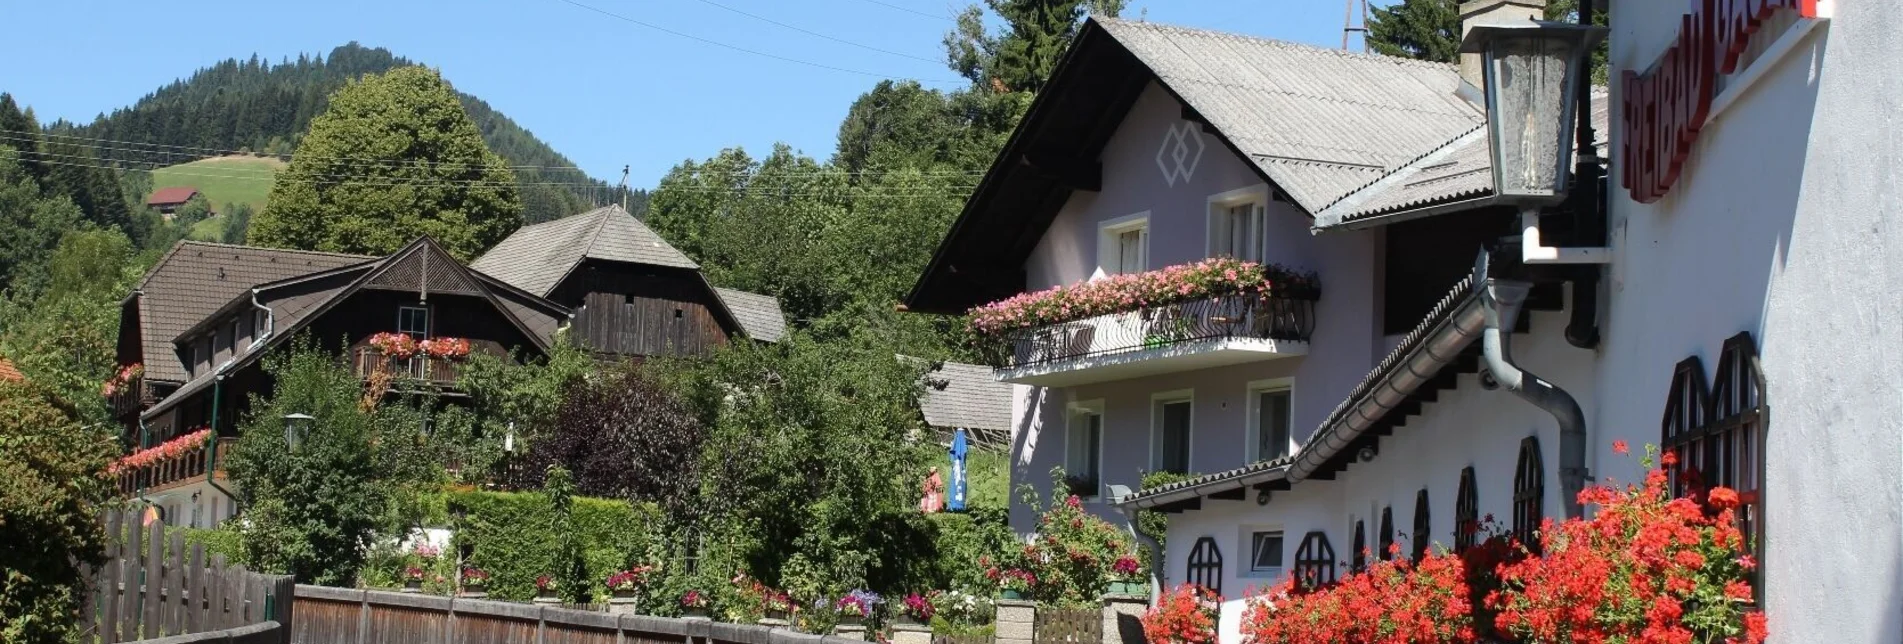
(903, 633)
(854, 631)
(629, 604)
(1017, 620)
(1122, 615)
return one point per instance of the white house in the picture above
(1742, 316)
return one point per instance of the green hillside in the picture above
(223, 181)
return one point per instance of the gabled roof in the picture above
(296, 301)
(195, 278)
(759, 315)
(1317, 123)
(535, 258)
(1459, 172)
(168, 196)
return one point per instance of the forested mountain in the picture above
(265, 108)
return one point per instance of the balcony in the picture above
(179, 462)
(371, 363)
(129, 397)
(1184, 336)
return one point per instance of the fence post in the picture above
(174, 591)
(195, 590)
(1016, 621)
(150, 585)
(108, 579)
(129, 582)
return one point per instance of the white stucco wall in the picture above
(1467, 426)
(1344, 346)
(1784, 224)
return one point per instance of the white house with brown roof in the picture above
(1740, 318)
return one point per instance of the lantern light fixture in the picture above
(295, 428)
(1531, 71)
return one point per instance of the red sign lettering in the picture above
(1667, 106)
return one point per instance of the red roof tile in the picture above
(8, 373)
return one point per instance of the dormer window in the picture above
(413, 321)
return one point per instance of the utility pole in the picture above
(1348, 25)
(624, 187)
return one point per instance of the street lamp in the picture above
(1532, 73)
(295, 427)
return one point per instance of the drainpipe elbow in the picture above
(1501, 304)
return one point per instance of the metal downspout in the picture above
(1500, 304)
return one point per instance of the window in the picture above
(1265, 552)
(1269, 420)
(1083, 450)
(1423, 526)
(1169, 448)
(1124, 245)
(1205, 565)
(413, 320)
(236, 324)
(1718, 433)
(1359, 560)
(1466, 512)
(1386, 551)
(1238, 224)
(1315, 560)
(221, 344)
(1529, 494)
(260, 324)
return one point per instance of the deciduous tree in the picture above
(394, 157)
(52, 488)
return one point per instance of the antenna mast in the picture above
(1348, 25)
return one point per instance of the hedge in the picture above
(513, 537)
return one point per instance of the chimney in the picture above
(1473, 12)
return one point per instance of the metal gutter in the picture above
(1455, 323)
(1375, 221)
(1501, 305)
(1239, 478)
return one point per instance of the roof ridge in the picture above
(1411, 165)
(1369, 56)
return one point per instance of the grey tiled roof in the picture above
(967, 396)
(1458, 170)
(535, 258)
(759, 315)
(1320, 123)
(197, 278)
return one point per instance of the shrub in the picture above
(1072, 559)
(510, 534)
(1645, 568)
(52, 489)
(1395, 602)
(1184, 615)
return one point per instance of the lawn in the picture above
(223, 180)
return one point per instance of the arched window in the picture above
(1423, 526)
(1359, 560)
(1466, 512)
(1529, 492)
(1205, 565)
(1717, 433)
(1386, 551)
(1315, 560)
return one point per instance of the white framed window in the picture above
(1123, 245)
(1238, 224)
(1083, 449)
(1265, 546)
(1171, 419)
(413, 321)
(1271, 417)
(260, 323)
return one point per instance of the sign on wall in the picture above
(1665, 107)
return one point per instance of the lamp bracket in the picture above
(1532, 251)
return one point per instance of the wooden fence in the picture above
(152, 586)
(1068, 625)
(349, 616)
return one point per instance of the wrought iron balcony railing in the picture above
(1241, 316)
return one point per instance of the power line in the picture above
(820, 35)
(193, 151)
(745, 50)
(96, 143)
(911, 10)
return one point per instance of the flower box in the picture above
(1011, 594)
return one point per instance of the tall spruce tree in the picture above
(394, 157)
(1430, 30)
(1021, 55)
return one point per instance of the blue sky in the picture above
(603, 91)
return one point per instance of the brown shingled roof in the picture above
(196, 278)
